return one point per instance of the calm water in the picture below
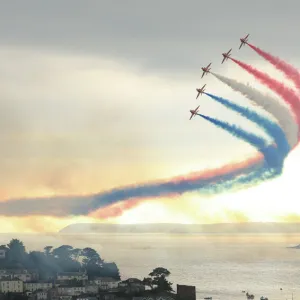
(221, 266)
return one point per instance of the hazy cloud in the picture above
(158, 35)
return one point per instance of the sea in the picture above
(221, 266)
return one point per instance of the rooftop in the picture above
(70, 273)
(40, 281)
(106, 279)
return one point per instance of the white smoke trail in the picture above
(281, 113)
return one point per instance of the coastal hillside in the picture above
(183, 228)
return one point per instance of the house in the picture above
(41, 295)
(155, 296)
(110, 297)
(21, 274)
(92, 289)
(106, 283)
(132, 285)
(186, 292)
(11, 286)
(65, 297)
(63, 276)
(71, 290)
(33, 286)
(86, 298)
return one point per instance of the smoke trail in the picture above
(232, 183)
(268, 126)
(290, 72)
(270, 153)
(206, 181)
(286, 93)
(281, 113)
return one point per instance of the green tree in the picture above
(91, 256)
(45, 265)
(147, 281)
(75, 253)
(47, 250)
(16, 254)
(158, 279)
(110, 270)
(62, 252)
(63, 258)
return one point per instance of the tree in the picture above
(91, 256)
(158, 279)
(159, 272)
(47, 250)
(110, 270)
(64, 258)
(63, 252)
(147, 281)
(75, 253)
(16, 253)
(45, 265)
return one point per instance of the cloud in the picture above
(76, 125)
(148, 34)
(67, 130)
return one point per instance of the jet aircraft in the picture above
(244, 41)
(226, 55)
(200, 91)
(205, 70)
(194, 111)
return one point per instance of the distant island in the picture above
(295, 247)
(251, 227)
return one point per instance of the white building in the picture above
(23, 275)
(153, 298)
(12, 286)
(34, 286)
(71, 290)
(106, 283)
(41, 295)
(92, 289)
(72, 275)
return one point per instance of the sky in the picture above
(96, 95)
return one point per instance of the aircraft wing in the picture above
(191, 116)
(223, 59)
(229, 51)
(198, 95)
(203, 74)
(208, 65)
(241, 45)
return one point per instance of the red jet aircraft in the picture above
(205, 70)
(226, 55)
(194, 111)
(200, 91)
(244, 40)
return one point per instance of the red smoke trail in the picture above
(286, 93)
(291, 72)
(116, 210)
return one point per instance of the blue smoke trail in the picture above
(270, 153)
(83, 205)
(270, 127)
(218, 183)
